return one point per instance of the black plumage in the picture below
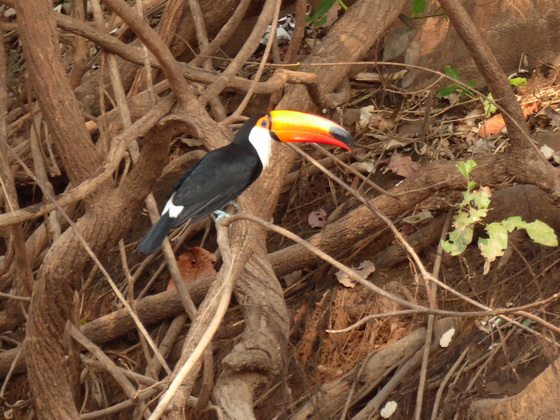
(215, 180)
(223, 174)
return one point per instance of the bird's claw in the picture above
(220, 214)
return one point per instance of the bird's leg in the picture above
(220, 213)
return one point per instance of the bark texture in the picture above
(260, 356)
(531, 404)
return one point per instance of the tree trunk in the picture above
(538, 401)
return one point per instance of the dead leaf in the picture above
(345, 280)
(293, 277)
(371, 118)
(364, 269)
(91, 125)
(365, 114)
(419, 217)
(394, 144)
(496, 124)
(388, 409)
(530, 108)
(410, 129)
(412, 56)
(194, 264)
(470, 118)
(373, 77)
(397, 42)
(549, 138)
(367, 166)
(482, 146)
(381, 123)
(553, 115)
(403, 165)
(317, 218)
(493, 125)
(446, 338)
(547, 152)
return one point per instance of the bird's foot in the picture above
(234, 204)
(220, 214)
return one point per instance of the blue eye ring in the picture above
(264, 123)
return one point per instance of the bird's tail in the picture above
(153, 239)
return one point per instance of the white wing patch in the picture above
(262, 142)
(174, 211)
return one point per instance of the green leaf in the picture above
(321, 21)
(517, 81)
(451, 72)
(514, 222)
(446, 91)
(527, 322)
(498, 233)
(489, 108)
(465, 168)
(471, 83)
(465, 92)
(458, 241)
(322, 9)
(447, 246)
(494, 246)
(481, 198)
(469, 197)
(478, 214)
(490, 249)
(470, 165)
(541, 233)
(462, 220)
(471, 185)
(418, 7)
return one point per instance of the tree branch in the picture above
(58, 104)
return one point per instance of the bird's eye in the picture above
(264, 123)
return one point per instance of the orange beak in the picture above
(294, 126)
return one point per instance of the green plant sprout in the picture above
(489, 107)
(453, 73)
(418, 7)
(517, 81)
(473, 209)
(319, 18)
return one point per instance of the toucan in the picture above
(221, 175)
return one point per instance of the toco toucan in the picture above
(223, 174)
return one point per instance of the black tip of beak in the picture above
(342, 135)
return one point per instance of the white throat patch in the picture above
(262, 142)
